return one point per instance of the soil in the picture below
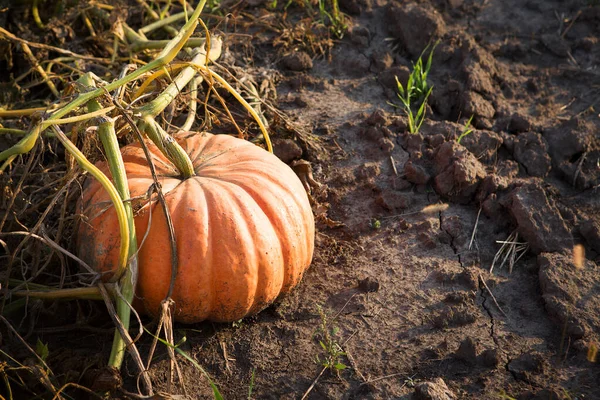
(406, 290)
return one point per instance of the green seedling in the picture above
(467, 130)
(329, 15)
(420, 73)
(41, 350)
(375, 223)
(333, 17)
(415, 118)
(330, 346)
(417, 91)
(251, 386)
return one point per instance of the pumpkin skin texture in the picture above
(243, 225)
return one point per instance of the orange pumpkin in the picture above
(243, 225)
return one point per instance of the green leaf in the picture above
(340, 366)
(42, 350)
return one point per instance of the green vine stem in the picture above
(165, 143)
(164, 57)
(193, 106)
(163, 22)
(128, 277)
(161, 102)
(168, 146)
(108, 186)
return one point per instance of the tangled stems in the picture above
(166, 56)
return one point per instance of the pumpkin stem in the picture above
(168, 146)
(165, 143)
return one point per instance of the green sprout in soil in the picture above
(333, 17)
(329, 14)
(251, 385)
(375, 224)
(467, 130)
(415, 94)
(330, 346)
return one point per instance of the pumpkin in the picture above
(243, 225)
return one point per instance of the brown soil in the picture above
(410, 294)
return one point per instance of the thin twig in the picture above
(562, 35)
(15, 38)
(381, 378)
(475, 228)
(353, 365)
(394, 165)
(492, 295)
(312, 386)
(36, 65)
(129, 345)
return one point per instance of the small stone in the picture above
(368, 285)
(391, 201)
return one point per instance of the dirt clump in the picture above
(415, 25)
(458, 173)
(434, 390)
(570, 295)
(538, 220)
(299, 61)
